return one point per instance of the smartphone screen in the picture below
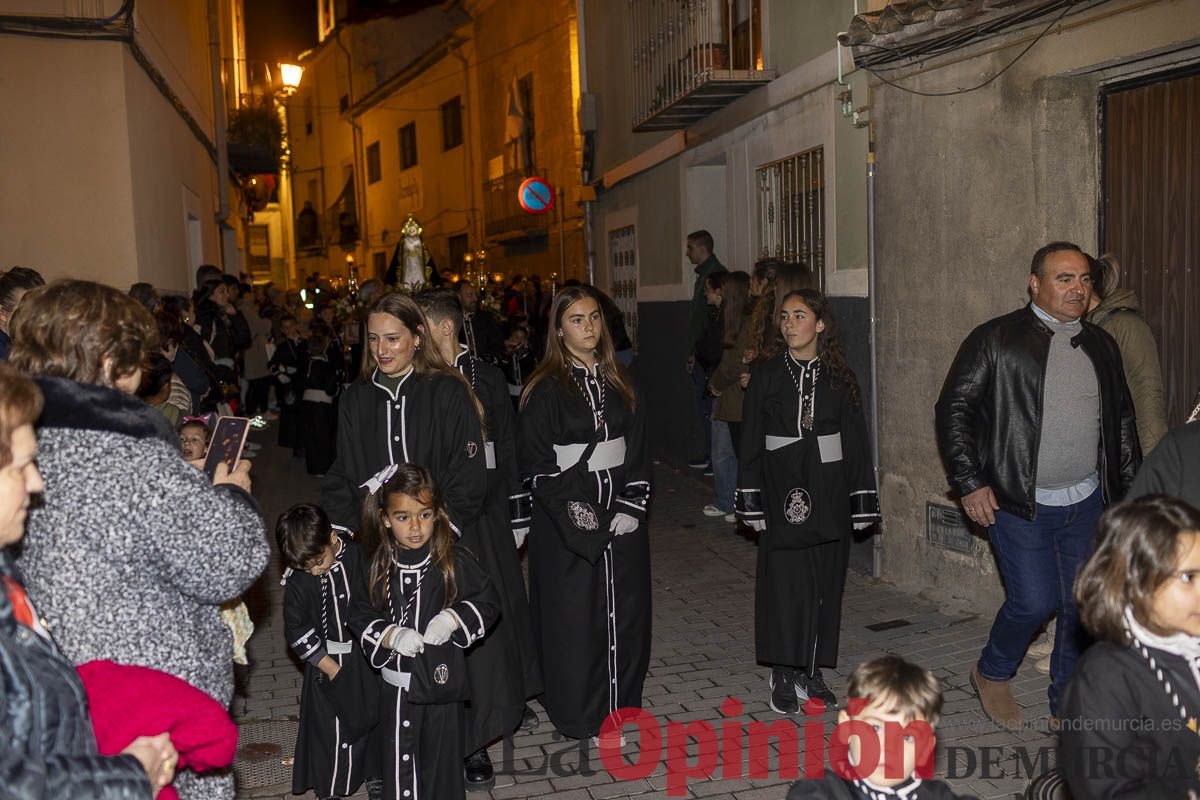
(228, 439)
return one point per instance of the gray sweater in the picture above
(1070, 438)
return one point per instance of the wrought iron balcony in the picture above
(502, 214)
(693, 57)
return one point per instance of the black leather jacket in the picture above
(989, 415)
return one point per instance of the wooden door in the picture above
(1150, 217)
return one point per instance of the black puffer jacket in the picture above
(989, 415)
(48, 750)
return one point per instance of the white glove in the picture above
(862, 526)
(759, 525)
(519, 535)
(407, 642)
(283, 378)
(623, 523)
(440, 627)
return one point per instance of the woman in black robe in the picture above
(805, 480)
(582, 452)
(407, 407)
(503, 667)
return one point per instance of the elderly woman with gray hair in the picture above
(133, 550)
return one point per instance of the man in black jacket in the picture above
(1036, 428)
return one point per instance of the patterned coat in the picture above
(133, 550)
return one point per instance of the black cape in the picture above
(810, 491)
(503, 668)
(1116, 711)
(420, 747)
(316, 610)
(589, 590)
(430, 420)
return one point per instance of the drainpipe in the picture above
(877, 549)
(589, 241)
(219, 122)
(360, 178)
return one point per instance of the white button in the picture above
(407, 723)
(341, 597)
(396, 438)
(408, 580)
(407, 793)
(613, 648)
(397, 406)
(405, 757)
(344, 745)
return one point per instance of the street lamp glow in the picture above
(290, 75)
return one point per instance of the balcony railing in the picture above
(693, 57)
(503, 216)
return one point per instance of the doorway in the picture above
(1149, 212)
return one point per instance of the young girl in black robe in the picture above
(1130, 711)
(805, 480)
(429, 599)
(322, 384)
(289, 364)
(325, 574)
(582, 452)
(407, 407)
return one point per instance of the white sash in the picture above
(608, 454)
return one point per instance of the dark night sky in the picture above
(278, 30)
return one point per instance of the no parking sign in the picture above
(535, 196)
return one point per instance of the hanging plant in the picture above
(256, 138)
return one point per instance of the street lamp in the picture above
(290, 75)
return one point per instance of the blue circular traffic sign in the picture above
(535, 196)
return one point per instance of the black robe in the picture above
(318, 413)
(518, 367)
(289, 364)
(316, 611)
(1116, 711)
(503, 667)
(420, 747)
(589, 590)
(811, 486)
(430, 420)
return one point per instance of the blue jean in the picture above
(1038, 561)
(724, 464)
(704, 405)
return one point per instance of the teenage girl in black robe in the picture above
(407, 407)
(503, 668)
(429, 599)
(582, 451)
(805, 481)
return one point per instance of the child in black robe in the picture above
(318, 414)
(289, 365)
(805, 480)
(1129, 713)
(325, 574)
(429, 599)
(902, 702)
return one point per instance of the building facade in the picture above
(111, 138)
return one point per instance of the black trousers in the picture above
(258, 391)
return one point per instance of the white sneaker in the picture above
(1043, 665)
(731, 517)
(712, 511)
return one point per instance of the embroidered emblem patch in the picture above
(472, 449)
(441, 674)
(797, 507)
(582, 516)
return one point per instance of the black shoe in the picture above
(374, 790)
(815, 687)
(530, 720)
(477, 770)
(784, 691)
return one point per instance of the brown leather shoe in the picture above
(997, 700)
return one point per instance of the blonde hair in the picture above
(899, 686)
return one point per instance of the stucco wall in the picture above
(968, 187)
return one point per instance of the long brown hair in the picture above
(764, 323)
(829, 349)
(1137, 548)
(20, 404)
(415, 482)
(427, 359)
(556, 362)
(735, 294)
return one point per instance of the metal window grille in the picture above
(791, 210)
(622, 249)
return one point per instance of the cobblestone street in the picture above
(703, 653)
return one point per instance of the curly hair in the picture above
(20, 404)
(84, 331)
(829, 349)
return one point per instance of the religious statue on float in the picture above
(411, 269)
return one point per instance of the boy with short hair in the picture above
(901, 702)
